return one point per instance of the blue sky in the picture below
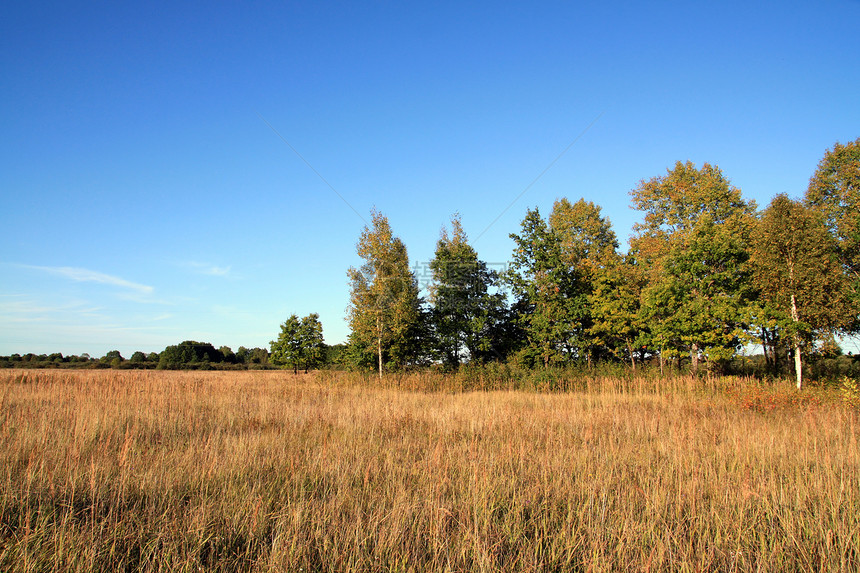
(147, 200)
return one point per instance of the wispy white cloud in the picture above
(209, 269)
(86, 275)
(230, 311)
(21, 308)
(29, 323)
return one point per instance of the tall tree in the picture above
(299, 344)
(700, 302)
(834, 191)
(466, 313)
(587, 238)
(797, 271)
(693, 244)
(384, 308)
(588, 244)
(550, 293)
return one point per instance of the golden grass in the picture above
(266, 471)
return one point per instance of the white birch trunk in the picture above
(379, 342)
(798, 362)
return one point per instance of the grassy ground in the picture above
(266, 471)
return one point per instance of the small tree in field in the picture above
(300, 343)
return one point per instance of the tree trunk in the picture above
(632, 356)
(694, 357)
(798, 362)
(764, 342)
(774, 352)
(379, 343)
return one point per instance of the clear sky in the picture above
(147, 198)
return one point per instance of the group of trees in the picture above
(187, 355)
(300, 343)
(202, 355)
(706, 274)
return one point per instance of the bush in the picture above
(850, 391)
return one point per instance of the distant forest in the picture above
(707, 274)
(187, 355)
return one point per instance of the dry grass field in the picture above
(266, 471)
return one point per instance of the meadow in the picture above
(267, 471)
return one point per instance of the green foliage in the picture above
(258, 357)
(111, 356)
(552, 296)
(617, 321)
(188, 354)
(466, 315)
(797, 273)
(693, 246)
(334, 356)
(384, 310)
(834, 191)
(674, 203)
(300, 343)
(227, 355)
(699, 302)
(587, 238)
(588, 246)
(850, 392)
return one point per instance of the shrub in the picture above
(850, 391)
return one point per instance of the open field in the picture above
(266, 471)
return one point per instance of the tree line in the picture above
(187, 355)
(706, 274)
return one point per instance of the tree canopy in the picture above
(465, 311)
(300, 343)
(384, 307)
(797, 272)
(834, 191)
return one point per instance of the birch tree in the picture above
(797, 272)
(384, 307)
